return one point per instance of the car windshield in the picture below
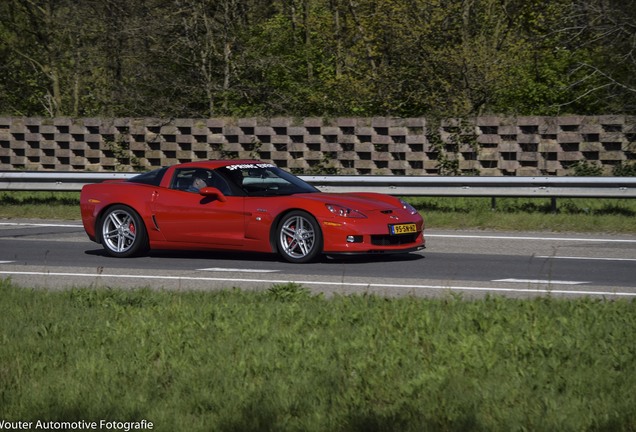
(261, 179)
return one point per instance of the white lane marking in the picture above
(541, 281)
(586, 258)
(237, 270)
(494, 237)
(6, 262)
(337, 284)
(28, 224)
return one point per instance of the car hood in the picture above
(356, 201)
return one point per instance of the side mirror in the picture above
(212, 192)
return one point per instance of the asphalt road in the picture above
(55, 254)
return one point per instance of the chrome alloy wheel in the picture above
(119, 231)
(298, 237)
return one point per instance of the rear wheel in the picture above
(123, 234)
(299, 238)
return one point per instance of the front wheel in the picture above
(299, 238)
(123, 234)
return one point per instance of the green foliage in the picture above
(324, 167)
(585, 168)
(624, 170)
(234, 360)
(120, 149)
(316, 57)
(460, 135)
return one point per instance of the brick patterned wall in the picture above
(521, 146)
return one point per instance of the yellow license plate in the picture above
(402, 228)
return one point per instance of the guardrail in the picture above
(576, 187)
(54, 181)
(548, 187)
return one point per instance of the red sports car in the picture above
(244, 205)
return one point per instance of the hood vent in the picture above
(386, 211)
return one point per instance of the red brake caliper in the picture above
(291, 238)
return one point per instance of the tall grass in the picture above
(535, 214)
(284, 360)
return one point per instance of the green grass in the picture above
(284, 360)
(533, 214)
(40, 205)
(529, 214)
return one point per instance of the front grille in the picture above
(393, 240)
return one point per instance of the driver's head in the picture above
(199, 179)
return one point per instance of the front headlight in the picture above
(408, 207)
(346, 212)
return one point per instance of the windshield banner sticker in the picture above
(248, 166)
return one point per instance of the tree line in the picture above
(363, 58)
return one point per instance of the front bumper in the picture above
(365, 238)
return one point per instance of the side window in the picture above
(193, 179)
(189, 179)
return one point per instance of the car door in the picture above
(186, 216)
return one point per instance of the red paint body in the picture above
(177, 219)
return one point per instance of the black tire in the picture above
(298, 237)
(122, 232)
